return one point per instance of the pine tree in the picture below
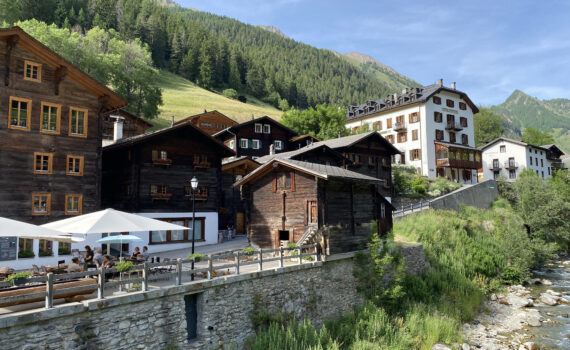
(207, 75)
(234, 79)
(9, 11)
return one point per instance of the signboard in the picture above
(8, 248)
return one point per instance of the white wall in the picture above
(426, 129)
(521, 155)
(210, 233)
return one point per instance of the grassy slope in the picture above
(182, 98)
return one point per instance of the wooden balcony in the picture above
(400, 126)
(165, 162)
(203, 165)
(457, 163)
(161, 196)
(452, 126)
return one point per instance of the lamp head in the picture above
(194, 183)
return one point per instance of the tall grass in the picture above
(470, 254)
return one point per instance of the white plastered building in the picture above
(507, 157)
(431, 126)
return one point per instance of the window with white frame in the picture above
(255, 144)
(278, 145)
(266, 129)
(258, 128)
(243, 143)
(232, 144)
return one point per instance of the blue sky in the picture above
(490, 48)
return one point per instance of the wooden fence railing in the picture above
(149, 272)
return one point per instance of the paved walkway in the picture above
(239, 242)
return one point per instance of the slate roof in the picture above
(323, 171)
(232, 129)
(407, 97)
(521, 143)
(292, 154)
(348, 141)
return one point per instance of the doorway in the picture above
(240, 222)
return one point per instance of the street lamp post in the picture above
(194, 185)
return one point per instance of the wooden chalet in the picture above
(318, 154)
(302, 141)
(301, 202)
(50, 132)
(210, 122)
(256, 137)
(456, 162)
(151, 174)
(233, 207)
(554, 155)
(131, 124)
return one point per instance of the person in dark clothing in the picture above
(88, 260)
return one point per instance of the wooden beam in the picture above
(10, 45)
(103, 101)
(60, 73)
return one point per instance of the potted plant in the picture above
(19, 278)
(25, 254)
(46, 254)
(124, 266)
(197, 257)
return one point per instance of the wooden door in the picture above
(240, 222)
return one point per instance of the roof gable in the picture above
(208, 113)
(264, 119)
(348, 141)
(515, 142)
(33, 46)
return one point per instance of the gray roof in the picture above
(323, 171)
(237, 159)
(516, 142)
(291, 154)
(406, 97)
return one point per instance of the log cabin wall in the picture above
(269, 204)
(17, 147)
(129, 173)
(350, 209)
(212, 122)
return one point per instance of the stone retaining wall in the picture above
(157, 318)
(480, 195)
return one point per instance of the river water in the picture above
(555, 335)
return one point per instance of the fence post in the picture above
(101, 283)
(316, 252)
(300, 258)
(402, 212)
(412, 207)
(178, 271)
(237, 263)
(49, 291)
(260, 264)
(145, 277)
(421, 204)
(280, 256)
(210, 267)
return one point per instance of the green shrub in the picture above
(26, 254)
(196, 256)
(46, 253)
(18, 275)
(248, 250)
(124, 266)
(230, 93)
(291, 245)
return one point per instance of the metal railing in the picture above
(412, 208)
(150, 272)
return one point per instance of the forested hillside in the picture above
(215, 52)
(523, 111)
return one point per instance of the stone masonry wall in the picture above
(157, 319)
(480, 195)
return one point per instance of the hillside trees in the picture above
(488, 126)
(126, 66)
(537, 137)
(323, 121)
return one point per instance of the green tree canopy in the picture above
(488, 126)
(537, 137)
(323, 121)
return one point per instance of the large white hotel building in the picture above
(431, 126)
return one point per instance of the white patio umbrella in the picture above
(110, 220)
(14, 228)
(120, 239)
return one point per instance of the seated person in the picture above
(107, 262)
(145, 253)
(140, 258)
(74, 266)
(98, 258)
(135, 254)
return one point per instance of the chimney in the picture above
(117, 127)
(453, 86)
(205, 111)
(272, 149)
(252, 117)
(172, 122)
(440, 82)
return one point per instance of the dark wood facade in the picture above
(285, 200)
(302, 141)
(210, 122)
(132, 125)
(255, 137)
(50, 132)
(456, 162)
(152, 172)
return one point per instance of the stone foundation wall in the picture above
(157, 318)
(480, 195)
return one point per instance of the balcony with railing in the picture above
(158, 196)
(165, 162)
(511, 164)
(453, 126)
(400, 126)
(495, 166)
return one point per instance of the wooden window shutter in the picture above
(410, 118)
(274, 182)
(292, 181)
